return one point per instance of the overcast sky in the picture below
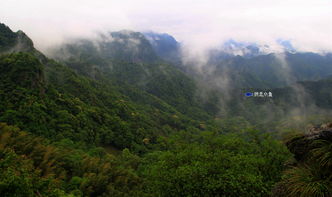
(199, 24)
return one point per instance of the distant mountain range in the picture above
(233, 48)
(168, 48)
(248, 64)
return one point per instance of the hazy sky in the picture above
(197, 23)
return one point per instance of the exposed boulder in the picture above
(300, 146)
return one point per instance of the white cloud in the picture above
(199, 24)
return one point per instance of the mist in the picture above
(198, 25)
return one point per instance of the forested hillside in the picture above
(113, 119)
(127, 58)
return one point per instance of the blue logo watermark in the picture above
(258, 94)
(248, 94)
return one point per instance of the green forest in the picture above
(131, 124)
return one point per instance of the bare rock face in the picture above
(23, 43)
(301, 145)
(323, 131)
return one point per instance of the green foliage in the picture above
(305, 181)
(311, 174)
(31, 166)
(322, 153)
(20, 70)
(245, 164)
(56, 102)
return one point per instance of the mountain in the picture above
(100, 59)
(69, 122)
(231, 48)
(11, 42)
(246, 64)
(165, 46)
(53, 100)
(287, 45)
(234, 48)
(216, 88)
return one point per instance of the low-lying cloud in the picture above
(199, 24)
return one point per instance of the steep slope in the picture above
(11, 42)
(100, 59)
(52, 100)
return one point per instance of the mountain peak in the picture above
(14, 42)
